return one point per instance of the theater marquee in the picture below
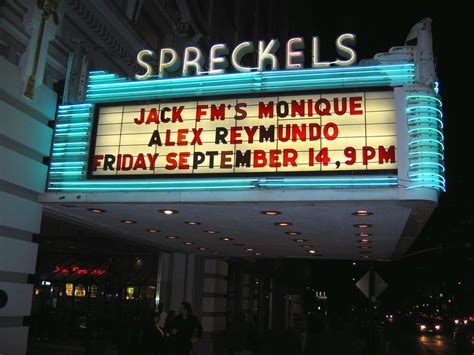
(301, 133)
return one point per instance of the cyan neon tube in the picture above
(71, 144)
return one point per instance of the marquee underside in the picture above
(327, 227)
(118, 152)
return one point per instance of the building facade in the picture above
(64, 65)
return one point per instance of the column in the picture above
(201, 281)
(178, 275)
(246, 305)
(214, 306)
(214, 296)
(25, 140)
(32, 25)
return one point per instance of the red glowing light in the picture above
(76, 270)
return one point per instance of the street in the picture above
(424, 345)
(436, 344)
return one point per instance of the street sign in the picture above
(364, 285)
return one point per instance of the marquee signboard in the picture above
(309, 133)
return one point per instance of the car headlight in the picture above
(422, 327)
(437, 327)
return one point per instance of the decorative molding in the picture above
(115, 38)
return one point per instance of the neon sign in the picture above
(76, 270)
(193, 61)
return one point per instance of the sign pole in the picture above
(372, 350)
(371, 285)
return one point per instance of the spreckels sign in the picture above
(193, 61)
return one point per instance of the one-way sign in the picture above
(364, 285)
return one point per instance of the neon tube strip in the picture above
(71, 141)
(426, 158)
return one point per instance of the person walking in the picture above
(187, 329)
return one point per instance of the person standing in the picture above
(159, 321)
(187, 329)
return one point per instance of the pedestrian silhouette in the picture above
(187, 330)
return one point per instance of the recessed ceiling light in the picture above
(202, 249)
(168, 212)
(364, 241)
(366, 256)
(283, 224)
(271, 213)
(211, 231)
(152, 230)
(307, 246)
(249, 249)
(215, 253)
(363, 234)
(128, 221)
(189, 243)
(362, 213)
(312, 251)
(226, 239)
(292, 234)
(362, 225)
(258, 254)
(192, 223)
(300, 240)
(172, 237)
(96, 210)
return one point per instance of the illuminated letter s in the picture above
(143, 64)
(345, 51)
